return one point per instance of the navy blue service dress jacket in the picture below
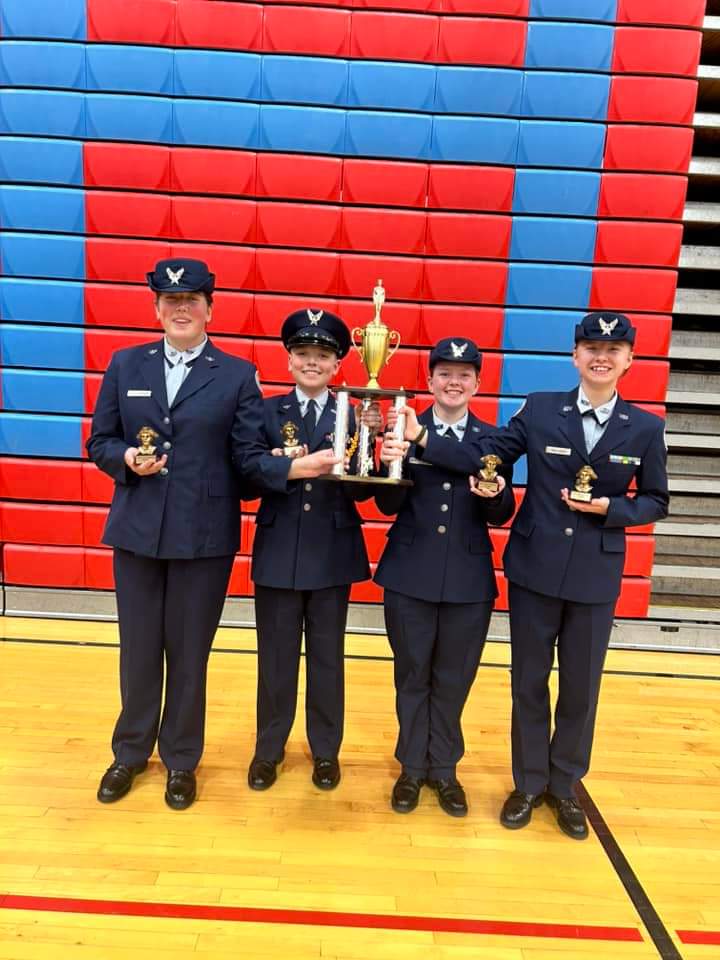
(439, 548)
(213, 439)
(310, 536)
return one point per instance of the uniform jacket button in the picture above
(167, 445)
(446, 485)
(308, 486)
(163, 471)
(442, 529)
(307, 506)
(444, 507)
(166, 419)
(568, 531)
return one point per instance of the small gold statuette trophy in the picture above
(292, 447)
(146, 450)
(376, 344)
(487, 476)
(583, 486)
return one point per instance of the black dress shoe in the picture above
(181, 789)
(517, 809)
(406, 793)
(117, 780)
(262, 774)
(570, 816)
(451, 797)
(326, 773)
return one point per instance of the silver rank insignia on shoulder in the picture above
(623, 416)
(457, 349)
(567, 409)
(607, 328)
(210, 359)
(151, 352)
(476, 429)
(314, 318)
(175, 276)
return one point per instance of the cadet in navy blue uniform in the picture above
(307, 552)
(565, 559)
(438, 577)
(174, 520)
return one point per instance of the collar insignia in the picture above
(151, 352)
(623, 416)
(607, 328)
(175, 276)
(457, 349)
(314, 318)
(476, 429)
(567, 409)
(210, 359)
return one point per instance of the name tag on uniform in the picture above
(560, 451)
(621, 458)
(139, 393)
(418, 463)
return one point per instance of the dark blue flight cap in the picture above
(316, 328)
(456, 350)
(181, 276)
(605, 325)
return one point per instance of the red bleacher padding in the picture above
(234, 267)
(485, 408)
(653, 334)
(468, 235)
(642, 196)
(484, 325)
(306, 30)
(214, 219)
(270, 311)
(92, 384)
(652, 99)
(653, 148)
(465, 281)
(97, 487)
(403, 317)
(85, 431)
(471, 188)
(635, 242)
(41, 523)
(233, 313)
(298, 271)
(646, 380)
(298, 225)
(482, 40)
(656, 50)
(93, 525)
(132, 21)
(397, 36)
(507, 8)
(420, 6)
(127, 214)
(236, 347)
(130, 165)
(98, 569)
(634, 597)
(33, 565)
(247, 535)
(271, 359)
(240, 584)
(384, 182)
(685, 13)
(23, 479)
(389, 231)
(101, 344)
(237, 26)
(627, 288)
(126, 261)
(401, 371)
(121, 305)
(366, 592)
(204, 170)
(375, 538)
(358, 275)
(304, 178)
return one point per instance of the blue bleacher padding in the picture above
(129, 69)
(546, 285)
(217, 73)
(40, 18)
(540, 331)
(50, 113)
(317, 80)
(391, 86)
(33, 159)
(29, 63)
(43, 347)
(372, 134)
(523, 374)
(42, 301)
(47, 391)
(117, 117)
(574, 46)
(575, 96)
(30, 435)
(570, 192)
(42, 208)
(301, 129)
(574, 9)
(39, 255)
(507, 406)
(214, 124)
(479, 90)
(475, 139)
(553, 239)
(550, 143)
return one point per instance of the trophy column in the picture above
(342, 410)
(395, 468)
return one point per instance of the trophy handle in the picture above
(357, 346)
(392, 347)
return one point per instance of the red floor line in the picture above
(320, 918)
(700, 937)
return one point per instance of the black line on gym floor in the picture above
(653, 924)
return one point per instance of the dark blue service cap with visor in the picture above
(456, 350)
(318, 328)
(605, 325)
(181, 276)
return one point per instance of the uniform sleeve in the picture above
(652, 498)
(259, 470)
(106, 445)
(501, 508)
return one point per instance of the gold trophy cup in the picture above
(583, 487)
(487, 476)
(376, 345)
(146, 450)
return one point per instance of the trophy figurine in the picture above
(146, 450)
(292, 447)
(487, 476)
(583, 486)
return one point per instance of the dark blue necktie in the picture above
(310, 418)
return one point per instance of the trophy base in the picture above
(375, 393)
(580, 496)
(353, 478)
(297, 451)
(141, 458)
(492, 486)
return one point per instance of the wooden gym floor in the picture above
(294, 873)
